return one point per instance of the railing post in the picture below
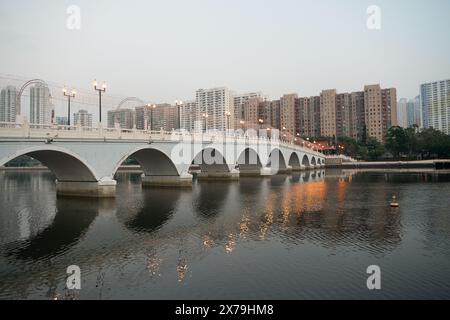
(26, 128)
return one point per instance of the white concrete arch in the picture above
(153, 161)
(277, 160)
(294, 161)
(249, 162)
(305, 161)
(212, 162)
(65, 164)
(249, 156)
(313, 161)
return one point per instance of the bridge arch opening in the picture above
(211, 161)
(305, 161)
(277, 162)
(294, 161)
(153, 162)
(66, 166)
(313, 161)
(249, 163)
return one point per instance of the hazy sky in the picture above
(165, 50)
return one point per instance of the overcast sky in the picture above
(165, 50)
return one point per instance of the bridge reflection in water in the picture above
(178, 243)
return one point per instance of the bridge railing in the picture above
(27, 130)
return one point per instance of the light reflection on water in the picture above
(308, 235)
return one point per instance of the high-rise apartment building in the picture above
(275, 114)
(165, 117)
(8, 104)
(435, 101)
(190, 116)
(41, 107)
(157, 117)
(413, 113)
(216, 103)
(328, 113)
(402, 113)
(238, 104)
(122, 117)
(359, 115)
(380, 110)
(311, 116)
(82, 118)
(252, 112)
(288, 113)
(344, 115)
(142, 117)
(61, 121)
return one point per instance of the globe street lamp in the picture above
(152, 107)
(261, 122)
(228, 115)
(242, 122)
(69, 95)
(100, 91)
(205, 117)
(178, 105)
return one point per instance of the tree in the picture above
(411, 140)
(374, 149)
(396, 141)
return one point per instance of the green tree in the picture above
(411, 141)
(375, 149)
(396, 141)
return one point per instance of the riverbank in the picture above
(424, 164)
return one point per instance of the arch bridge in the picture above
(85, 160)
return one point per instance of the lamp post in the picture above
(178, 105)
(269, 133)
(205, 117)
(261, 122)
(100, 91)
(228, 115)
(152, 107)
(69, 95)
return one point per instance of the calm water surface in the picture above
(308, 236)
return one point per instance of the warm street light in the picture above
(205, 117)
(152, 107)
(179, 104)
(100, 91)
(69, 95)
(228, 115)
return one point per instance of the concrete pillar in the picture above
(182, 181)
(232, 175)
(286, 170)
(105, 188)
(267, 172)
(249, 170)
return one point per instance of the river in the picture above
(304, 236)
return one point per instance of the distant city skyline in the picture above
(163, 51)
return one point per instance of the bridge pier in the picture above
(232, 175)
(90, 189)
(182, 181)
(249, 170)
